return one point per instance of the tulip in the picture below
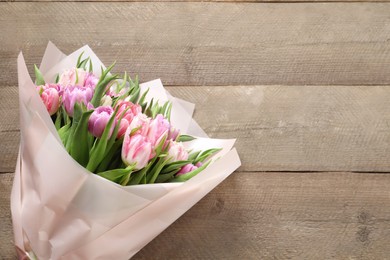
(186, 169)
(50, 96)
(177, 151)
(158, 128)
(173, 133)
(136, 150)
(99, 119)
(91, 81)
(116, 89)
(142, 122)
(73, 95)
(73, 77)
(198, 164)
(106, 101)
(132, 110)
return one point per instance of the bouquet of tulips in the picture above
(87, 137)
(107, 126)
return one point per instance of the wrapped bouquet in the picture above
(105, 163)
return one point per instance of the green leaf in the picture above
(206, 154)
(38, 76)
(160, 146)
(79, 146)
(90, 66)
(152, 175)
(103, 166)
(174, 166)
(189, 175)
(77, 113)
(166, 176)
(142, 98)
(134, 96)
(168, 113)
(57, 78)
(101, 85)
(137, 177)
(77, 77)
(83, 64)
(63, 132)
(185, 138)
(58, 119)
(193, 155)
(78, 60)
(99, 149)
(117, 175)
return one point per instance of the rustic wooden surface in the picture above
(304, 87)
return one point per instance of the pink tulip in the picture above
(99, 119)
(73, 77)
(142, 122)
(50, 96)
(91, 81)
(136, 150)
(158, 128)
(132, 111)
(186, 169)
(73, 95)
(177, 151)
(173, 133)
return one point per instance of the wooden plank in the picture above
(7, 250)
(271, 216)
(278, 128)
(237, 1)
(294, 44)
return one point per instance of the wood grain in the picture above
(229, 1)
(210, 43)
(278, 128)
(257, 215)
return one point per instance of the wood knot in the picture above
(218, 206)
(365, 221)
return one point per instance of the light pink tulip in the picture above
(99, 119)
(132, 111)
(158, 129)
(50, 96)
(136, 149)
(177, 151)
(73, 77)
(142, 122)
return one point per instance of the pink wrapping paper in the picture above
(62, 211)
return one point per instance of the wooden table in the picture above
(304, 87)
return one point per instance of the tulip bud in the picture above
(136, 150)
(177, 151)
(99, 119)
(50, 96)
(186, 169)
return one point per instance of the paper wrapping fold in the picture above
(61, 211)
